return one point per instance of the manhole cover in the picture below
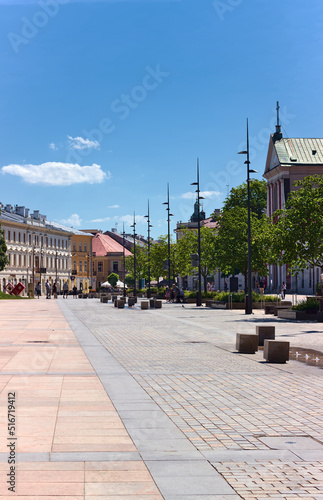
(37, 341)
(297, 443)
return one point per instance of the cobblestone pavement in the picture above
(259, 424)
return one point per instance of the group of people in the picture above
(175, 294)
(50, 291)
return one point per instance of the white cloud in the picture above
(53, 146)
(57, 173)
(73, 221)
(114, 206)
(206, 194)
(128, 219)
(105, 219)
(80, 143)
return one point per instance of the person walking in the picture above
(38, 289)
(74, 292)
(55, 290)
(65, 290)
(48, 290)
(283, 290)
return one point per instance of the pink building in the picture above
(289, 160)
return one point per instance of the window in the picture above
(51, 242)
(100, 267)
(29, 239)
(55, 242)
(115, 267)
(24, 237)
(19, 237)
(14, 236)
(302, 279)
(85, 247)
(80, 246)
(85, 266)
(74, 265)
(9, 235)
(19, 261)
(74, 246)
(81, 266)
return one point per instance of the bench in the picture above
(265, 332)
(276, 351)
(246, 343)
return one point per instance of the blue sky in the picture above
(103, 102)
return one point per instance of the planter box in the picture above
(300, 315)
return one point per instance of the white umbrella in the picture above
(118, 285)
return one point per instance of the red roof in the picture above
(102, 244)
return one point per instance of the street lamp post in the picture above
(169, 215)
(248, 309)
(149, 226)
(197, 184)
(134, 255)
(124, 261)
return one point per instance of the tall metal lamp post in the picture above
(124, 261)
(134, 255)
(248, 309)
(149, 226)
(197, 184)
(169, 215)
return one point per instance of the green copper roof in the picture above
(300, 151)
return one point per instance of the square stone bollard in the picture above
(246, 343)
(276, 351)
(158, 304)
(104, 299)
(131, 301)
(144, 304)
(152, 303)
(115, 302)
(120, 304)
(114, 297)
(265, 332)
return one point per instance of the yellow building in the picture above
(82, 261)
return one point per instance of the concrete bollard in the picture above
(120, 304)
(158, 304)
(265, 332)
(152, 303)
(144, 304)
(276, 351)
(246, 343)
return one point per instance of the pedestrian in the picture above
(225, 286)
(167, 294)
(65, 290)
(283, 290)
(177, 295)
(48, 290)
(261, 287)
(38, 289)
(55, 290)
(181, 295)
(74, 292)
(172, 294)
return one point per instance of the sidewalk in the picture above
(131, 404)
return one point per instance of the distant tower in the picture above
(197, 213)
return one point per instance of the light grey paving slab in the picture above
(180, 468)
(248, 455)
(26, 457)
(309, 455)
(292, 443)
(136, 406)
(148, 424)
(209, 485)
(163, 445)
(172, 455)
(233, 496)
(95, 456)
(163, 433)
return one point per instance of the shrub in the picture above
(309, 304)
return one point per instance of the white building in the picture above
(38, 250)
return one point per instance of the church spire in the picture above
(278, 134)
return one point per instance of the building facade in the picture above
(82, 260)
(37, 250)
(290, 160)
(107, 257)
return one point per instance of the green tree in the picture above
(141, 263)
(238, 197)
(298, 229)
(158, 254)
(231, 246)
(113, 278)
(3, 250)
